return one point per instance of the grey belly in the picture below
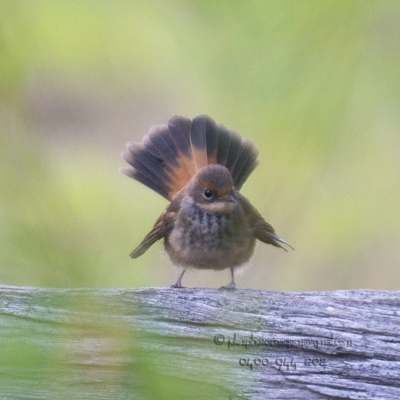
(208, 241)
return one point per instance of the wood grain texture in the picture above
(198, 343)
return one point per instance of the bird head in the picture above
(212, 189)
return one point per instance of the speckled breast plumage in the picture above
(209, 241)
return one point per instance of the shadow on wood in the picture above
(162, 343)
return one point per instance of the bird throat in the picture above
(218, 207)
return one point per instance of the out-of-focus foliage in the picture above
(314, 83)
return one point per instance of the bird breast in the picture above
(209, 240)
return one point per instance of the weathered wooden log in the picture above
(162, 343)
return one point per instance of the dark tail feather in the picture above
(211, 140)
(224, 143)
(234, 149)
(159, 137)
(134, 174)
(247, 169)
(159, 162)
(179, 128)
(198, 141)
(245, 163)
(142, 160)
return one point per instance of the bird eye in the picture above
(208, 194)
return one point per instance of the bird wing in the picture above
(261, 229)
(162, 227)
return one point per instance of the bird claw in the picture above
(230, 286)
(177, 285)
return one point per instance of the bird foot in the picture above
(177, 285)
(230, 286)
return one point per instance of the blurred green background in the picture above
(314, 83)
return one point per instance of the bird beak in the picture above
(228, 198)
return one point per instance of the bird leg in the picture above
(178, 283)
(232, 284)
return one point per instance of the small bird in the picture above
(200, 166)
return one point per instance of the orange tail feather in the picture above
(170, 155)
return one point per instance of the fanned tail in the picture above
(169, 155)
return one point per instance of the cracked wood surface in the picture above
(198, 343)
